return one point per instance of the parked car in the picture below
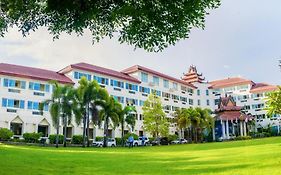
(111, 142)
(160, 141)
(139, 142)
(179, 141)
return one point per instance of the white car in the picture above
(111, 142)
(179, 141)
(139, 142)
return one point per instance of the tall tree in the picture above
(126, 115)
(274, 102)
(155, 120)
(182, 118)
(62, 105)
(152, 25)
(109, 114)
(206, 121)
(89, 95)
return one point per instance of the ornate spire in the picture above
(192, 75)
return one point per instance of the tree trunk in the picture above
(65, 129)
(105, 132)
(88, 127)
(122, 134)
(58, 131)
(84, 132)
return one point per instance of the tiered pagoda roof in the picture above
(193, 76)
(228, 110)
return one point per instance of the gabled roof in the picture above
(136, 68)
(262, 87)
(229, 82)
(99, 70)
(33, 73)
(227, 104)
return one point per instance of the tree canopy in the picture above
(274, 102)
(152, 25)
(155, 120)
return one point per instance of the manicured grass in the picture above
(254, 157)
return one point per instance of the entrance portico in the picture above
(232, 122)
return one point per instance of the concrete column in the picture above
(179, 133)
(233, 129)
(94, 133)
(245, 129)
(241, 128)
(113, 133)
(227, 129)
(182, 135)
(223, 130)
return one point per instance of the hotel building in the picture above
(22, 89)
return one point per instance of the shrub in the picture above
(172, 137)
(32, 137)
(118, 140)
(99, 139)
(242, 138)
(77, 139)
(136, 137)
(5, 134)
(53, 137)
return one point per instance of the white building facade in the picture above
(22, 89)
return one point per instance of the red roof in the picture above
(99, 70)
(262, 87)
(33, 73)
(229, 82)
(136, 68)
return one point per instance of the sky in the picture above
(241, 38)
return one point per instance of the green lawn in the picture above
(254, 157)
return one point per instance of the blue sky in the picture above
(241, 38)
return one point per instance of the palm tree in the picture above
(126, 116)
(206, 120)
(182, 119)
(89, 95)
(61, 105)
(194, 122)
(109, 114)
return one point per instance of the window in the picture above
(208, 102)
(190, 101)
(183, 88)
(166, 95)
(198, 102)
(229, 89)
(174, 108)
(258, 106)
(156, 80)
(198, 92)
(144, 90)
(175, 86)
(101, 80)
(141, 103)
(184, 99)
(39, 87)
(166, 83)
(175, 97)
(14, 83)
(167, 107)
(131, 101)
(207, 92)
(217, 101)
(116, 83)
(119, 98)
(12, 103)
(79, 75)
(132, 87)
(158, 93)
(144, 77)
(36, 106)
